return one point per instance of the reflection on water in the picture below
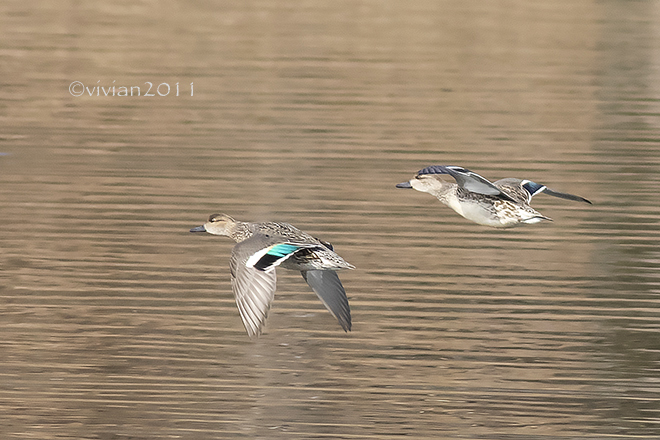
(117, 323)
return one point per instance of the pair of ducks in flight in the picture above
(261, 247)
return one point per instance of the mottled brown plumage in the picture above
(502, 204)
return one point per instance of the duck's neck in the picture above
(239, 231)
(446, 192)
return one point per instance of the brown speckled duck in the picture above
(501, 204)
(260, 248)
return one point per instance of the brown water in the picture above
(117, 323)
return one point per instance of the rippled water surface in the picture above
(116, 322)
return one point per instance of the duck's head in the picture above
(428, 183)
(218, 224)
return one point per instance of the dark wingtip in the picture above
(345, 321)
(434, 169)
(566, 196)
(443, 169)
(404, 185)
(532, 187)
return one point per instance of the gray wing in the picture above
(465, 179)
(330, 291)
(253, 289)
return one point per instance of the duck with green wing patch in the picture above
(260, 248)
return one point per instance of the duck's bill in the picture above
(404, 185)
(198, 229)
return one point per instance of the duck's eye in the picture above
(214, 218)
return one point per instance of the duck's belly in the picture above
(482, 214)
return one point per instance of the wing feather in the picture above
(466, 179)
(253, 289)
(330, 291)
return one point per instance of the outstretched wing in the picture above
(534, 188)
(466, 179)
(253, 278)
(330, 291)
(254, 289)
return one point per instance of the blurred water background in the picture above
(117, 323)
